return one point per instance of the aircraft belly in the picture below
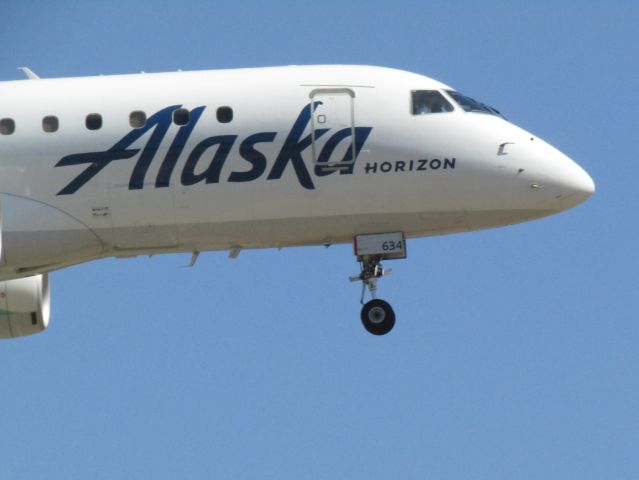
(339, 228)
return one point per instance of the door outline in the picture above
(333, 92)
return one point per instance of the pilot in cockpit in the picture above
(429, 101)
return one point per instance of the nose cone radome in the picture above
(577, 186)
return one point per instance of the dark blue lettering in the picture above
(161, 121)
(251, 155)
(371, 168)
(120, 151)
(98, 161)
(175, 150)
(293, 148)
(322, 169)
(212, 172)
(291, 152)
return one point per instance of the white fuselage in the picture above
(312, 155)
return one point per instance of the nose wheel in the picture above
(377, 315)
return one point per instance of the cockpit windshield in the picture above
(472, 105)
(430, 101)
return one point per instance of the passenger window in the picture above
(94, 121)
(224, 114)
(181, 116)
(430, 101)
(50, 124)
(7, 126)
(137, 119)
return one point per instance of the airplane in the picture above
(150, 163)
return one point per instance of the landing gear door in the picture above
(333, 127)
(386, 246)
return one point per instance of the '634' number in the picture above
(392, 246)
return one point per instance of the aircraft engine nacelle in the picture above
(24, 306)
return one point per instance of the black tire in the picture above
(378, 317)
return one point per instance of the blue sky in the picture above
(515, 353)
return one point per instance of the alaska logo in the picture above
(159, 123)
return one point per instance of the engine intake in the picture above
(24, 306)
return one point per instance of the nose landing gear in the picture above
(377, 315)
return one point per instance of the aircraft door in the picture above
(333, 127)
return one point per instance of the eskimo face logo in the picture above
(159, 123)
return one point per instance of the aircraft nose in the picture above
(576, 184)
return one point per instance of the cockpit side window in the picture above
(472, 105)
(430, 101)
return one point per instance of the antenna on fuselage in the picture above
(29, 73)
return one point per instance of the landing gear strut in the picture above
(377, 315)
